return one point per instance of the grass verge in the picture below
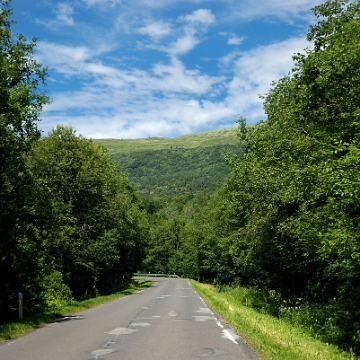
(273, 338)
(14, 329)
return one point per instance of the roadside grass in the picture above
(61, 308)
(271, 337)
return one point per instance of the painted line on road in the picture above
(120, 331)
(228, 334)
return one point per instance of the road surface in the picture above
(167, 321)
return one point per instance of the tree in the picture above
(295, 191)
(88, 214)
(21, 81)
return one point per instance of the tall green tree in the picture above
(294, 195)
(21, 100)
(88, 214)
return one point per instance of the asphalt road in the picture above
(167, 321)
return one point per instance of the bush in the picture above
(56, 292)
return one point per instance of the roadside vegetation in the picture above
(274, 338)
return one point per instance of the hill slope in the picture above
(173, 166)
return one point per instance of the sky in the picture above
(160, 68)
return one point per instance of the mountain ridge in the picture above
(173, 166)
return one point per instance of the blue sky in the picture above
(144, 68)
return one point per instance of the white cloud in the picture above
(167, 99)
(64, 17)
(203, 16)
(143, 118)
(284, 9)
(235, 40)
(155, 30)
(64, 59)
(254, 72)
(174, 77)
(103, 3)
(244, 10)
(187, 34)
(169, 78)
(140, 5)
(230, 9)
(188, 41)
(64, 14)
(182, 45)
(121, 90)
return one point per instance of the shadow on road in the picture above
(68, 318)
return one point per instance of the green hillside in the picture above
(173, 166)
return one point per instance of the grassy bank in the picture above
(224, 136)
(11, 330)
(273, 338)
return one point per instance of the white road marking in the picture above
(143, 324)
(120, 331)
(220, 324)
(228, 334)
(205, 311)
(203, 318)
(101, 352)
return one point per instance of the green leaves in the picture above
(21, 100)
(93, 232)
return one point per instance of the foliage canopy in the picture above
(21, 82)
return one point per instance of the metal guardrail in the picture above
(157, 275)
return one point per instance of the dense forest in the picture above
(168, 167)
(284, 222)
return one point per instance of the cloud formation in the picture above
(165, 68)
(202, 16)
(155, 30)
(64, 14)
